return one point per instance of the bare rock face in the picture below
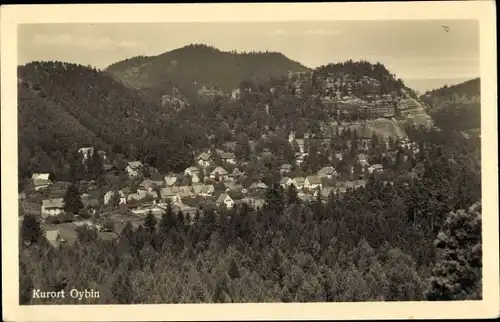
(173, 101)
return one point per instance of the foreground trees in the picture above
(457, 274)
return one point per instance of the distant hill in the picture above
(456, 107)
(199, 67)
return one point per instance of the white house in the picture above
(312, 182)
(375, 168)
(219, 172)
(52, 207)
(203, 159)
(194, 173)
(228, 157)
(170, 179)
(110, 194)
(41, 181)
(225, 200)
(299, 182)
(286, 182)
(86, 152)
(134, 168)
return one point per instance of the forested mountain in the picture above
(62, 106)
(197, 66)
(363, 78)
(458, 106)
(65, 105)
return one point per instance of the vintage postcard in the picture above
(249, 161)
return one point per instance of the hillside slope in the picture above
(197, 68)
(62, 106)
(456, 107)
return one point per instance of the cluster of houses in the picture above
(203, 176)
(200, 186)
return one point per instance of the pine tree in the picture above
(292, 195)
(150, 222)
(31, 232)
(97, 168)
(72, 200)
(76, 166)
(274, 199)
(166, 221)
(233, 270)
(457, 274)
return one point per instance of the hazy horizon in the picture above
(421, 52)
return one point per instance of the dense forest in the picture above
(391, 240)
(65, 106)
(457, 106)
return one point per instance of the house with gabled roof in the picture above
(375, 168)
(168, 193)
(225, 200)
(298, 182)
(134, 168)
(194, 173)
(86, 152)
(203, 190)
(170, 179)
(219, 172)
(228, 157)
(41, 181)
(52, 207)
(108, 196)
(312, 182)
(285, 168)
(148, 187)
(186, 192)
(327, 172)
(204, 160)
(285, 182)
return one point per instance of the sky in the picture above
(420, 52)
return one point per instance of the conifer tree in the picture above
(457, 273)
(150, 222)
(292, 195)
(72, 200)
(31, 232)
(233, 271)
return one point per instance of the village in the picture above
(216, 180)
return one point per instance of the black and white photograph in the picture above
(250, 162)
